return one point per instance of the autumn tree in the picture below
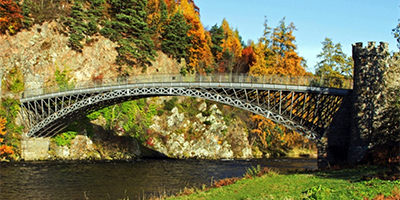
(129, 28)
(157, 17)
(264, 59)
(195, 7)
(246, 60)
(288, 62)
(274, 53)
(275, 139)
(333, 62)
(5, 150)
(176, 41)
(200, 56)
(171, 6)
(231, 49)
(10, 16)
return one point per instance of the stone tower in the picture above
(370, 65)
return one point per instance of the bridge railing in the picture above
(329, 82)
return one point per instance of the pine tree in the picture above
(26, 22)
(130, 30)
(333, 61)
(95, 13)
(157, 17)
(77, 26)
(176, 41)
(217, 35)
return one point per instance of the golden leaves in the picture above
(200, 52)
(4, 149)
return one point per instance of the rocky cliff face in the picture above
(39, 52)
(176, 135)
(43, 49)
(213, 139)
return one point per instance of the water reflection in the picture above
(117, 180)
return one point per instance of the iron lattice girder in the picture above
(308, 111)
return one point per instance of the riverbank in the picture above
(356, 183)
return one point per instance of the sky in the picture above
(344, 21)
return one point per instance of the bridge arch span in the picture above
(307, 110)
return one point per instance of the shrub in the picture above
(170, 104)
(14, 82)
(64, 138)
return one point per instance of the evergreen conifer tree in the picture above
(176, 41)
(217, 35)
(130, 30)
(94, 15)
(77, 27)
(333, 61)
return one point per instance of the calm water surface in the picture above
(118, 180)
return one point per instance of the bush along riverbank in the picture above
(363, 182)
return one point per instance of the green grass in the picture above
(343, 184)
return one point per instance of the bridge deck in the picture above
(293, 83)
(303, 104)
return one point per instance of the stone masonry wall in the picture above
(370, 65)
(338, 134)
(35, 148)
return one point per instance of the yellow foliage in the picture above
(3, 122)
(290, 64)
(6, 150)
(277, 136)
(231, 42)
(262, 65)
(277, 55)
(200, 55)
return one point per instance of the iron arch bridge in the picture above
(300, 103)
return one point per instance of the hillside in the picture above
(51, 44)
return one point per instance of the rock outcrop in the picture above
(205, 137)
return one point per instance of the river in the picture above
(124, 180)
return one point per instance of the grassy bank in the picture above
(358, 183)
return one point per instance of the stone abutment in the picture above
(351, 130)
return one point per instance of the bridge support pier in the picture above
(34, 148)
(322, 153)
(350, 133)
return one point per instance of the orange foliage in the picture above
(231, 42)
(276, 54)
(200, 55)
(395, 196)
(196, 8)
(261, 128)
(247, 60)
(276, 136)
(225, 182)
(4, 149)
(10, 16)
(290, 64)
(3, 122)
(232, 49)
(260, 65)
